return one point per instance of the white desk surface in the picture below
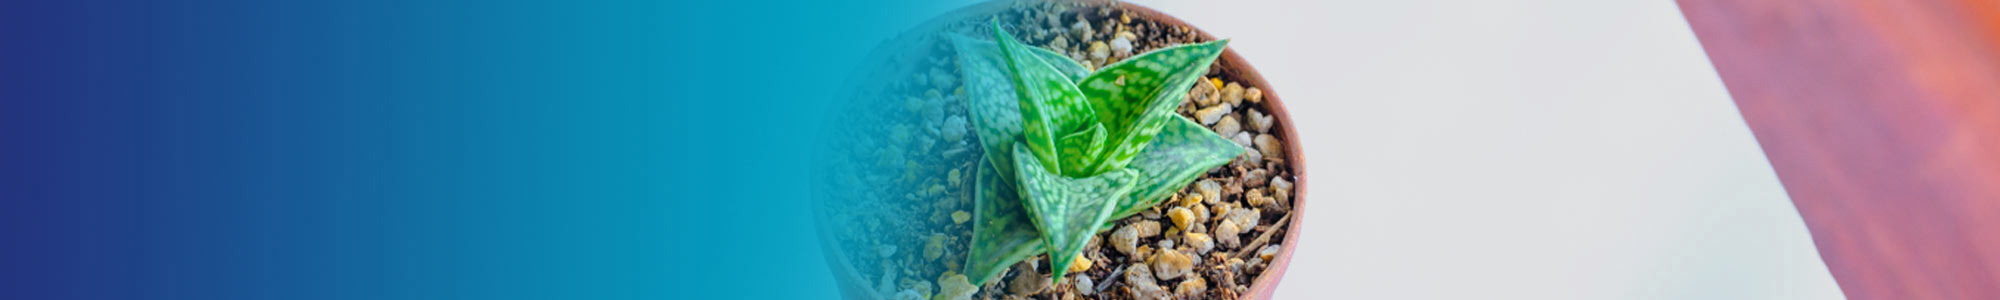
(1538, 149)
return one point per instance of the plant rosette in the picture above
(1067, 149)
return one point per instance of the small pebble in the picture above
(1201, 243)
(1027, 281)
(1268, 252)
(1256, 178)
(956, 287)
(1170, 264)
(1246, 140)
(1205, 94)
(1245, 218)
(1212, 114)
(1125, 239)
(1189, 200)
(1270, 146)
(1279, 183)
(1282, 197)
(1256, 198)
(1260, 122)
(960, 217)
(1081, 30)
(954, 129)
(1227, 233)
(1140, 278)
(1228, 126)
(1193, 286)
(1254, 95)
(1121, 45)
(935, 247)
(1200, 212)
(1084, 285)
(1232, 94)
(1080, 264)
(1210, 190)
(1251, 157)
(1100, 52)
(1281, 190)
(1147, 228)
(1181, 216)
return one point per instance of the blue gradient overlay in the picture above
(417, 149)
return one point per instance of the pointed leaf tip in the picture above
(1135, 97)
(1051, 105)
(1068, 211)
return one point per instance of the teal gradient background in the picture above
(418, 149)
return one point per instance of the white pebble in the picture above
(1212, 114)
(1228, 126)
(1272, 148)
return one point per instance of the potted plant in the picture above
(1056, 206)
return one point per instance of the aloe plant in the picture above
(1069, 149)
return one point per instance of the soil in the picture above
(1209, 241)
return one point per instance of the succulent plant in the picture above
(1069, 149)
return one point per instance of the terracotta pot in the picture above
(854, 286)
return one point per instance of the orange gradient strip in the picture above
(1882, 119)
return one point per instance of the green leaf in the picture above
(1068, 210)
(1135, 97)
(1177, 156)
(1079, 150)
(1074, 70)
(990, 101)
(1051, 104)
(1001, 232)
(990, 98)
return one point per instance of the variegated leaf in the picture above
(1177, 156)
(1079, 150)
(1001, 232)
(1068, 210)
(1134, 97)
(990, 101)
(1051, 104)
(1069, 67)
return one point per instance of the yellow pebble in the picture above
(1182, 216)
(1191, 200)
(1080, 264)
